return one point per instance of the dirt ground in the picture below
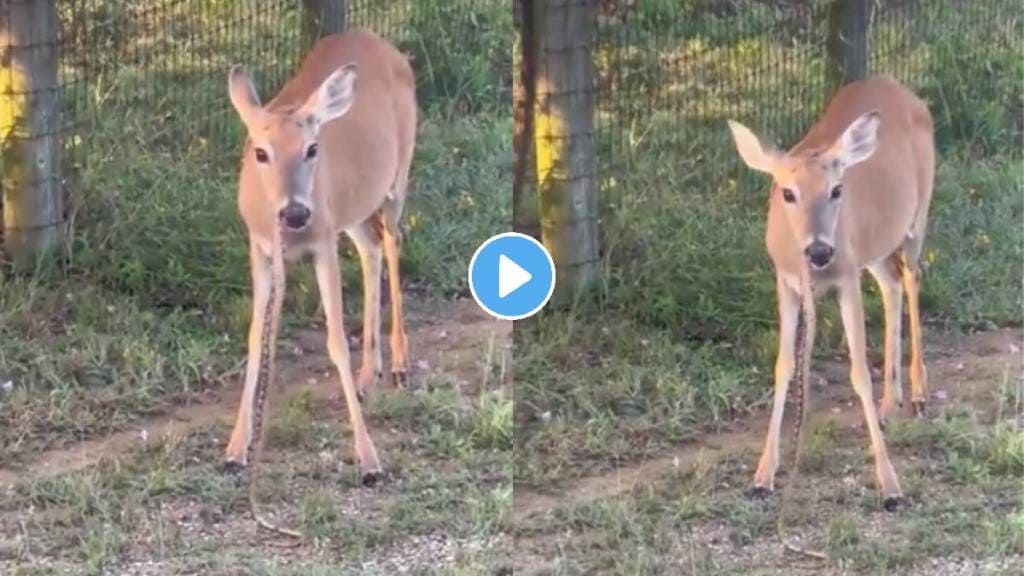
(154, 500)
(640, 518)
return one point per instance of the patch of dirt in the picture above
(448, 336)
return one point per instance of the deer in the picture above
(330, 153)
(853, 194)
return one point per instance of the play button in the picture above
(511, 276)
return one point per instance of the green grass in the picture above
(697, 520)
(133, 504)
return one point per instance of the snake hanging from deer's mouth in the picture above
(265, 374)
(806, 323)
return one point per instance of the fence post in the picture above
(563, 130)
(525, 206)
(321, 18)
(847, 45)
(30, 146)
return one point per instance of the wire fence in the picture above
(670, 72)
(170, 57)
(153, 72)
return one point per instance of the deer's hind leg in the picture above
(887, 275)
(390, 216)
(911, 285)
(368, 239)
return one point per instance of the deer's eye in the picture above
(836, 192)
(789, 196)
(311, 151)
(261, 156)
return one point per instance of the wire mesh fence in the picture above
(154, 71)
(670, 72)
(170, 57)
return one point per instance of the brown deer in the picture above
(852, 195)
(330, 153)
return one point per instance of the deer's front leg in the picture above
(852, 306)
(789, 312)
(241, 436)
(328, 276)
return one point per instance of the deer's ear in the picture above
(243, 94)
(335, 95)
(859, 141)
(750, 149)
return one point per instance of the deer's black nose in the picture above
(295, 216)
(819, 254)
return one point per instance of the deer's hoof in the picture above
(233, 467)
(758, 493)
(400, 378)
(371, 479)
(919, 408)
(894, 503)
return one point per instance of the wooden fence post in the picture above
(563, 129)
(321, 18)
(525, 204)
(847, 44)
(30, 144)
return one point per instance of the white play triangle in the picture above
(511, 276)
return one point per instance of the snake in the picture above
(806, 321)
(265, 374)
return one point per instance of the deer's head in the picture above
(284, 142)
(809, 184)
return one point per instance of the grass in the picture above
(697, 520)
(445, 505)
(168, 499)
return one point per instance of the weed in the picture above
(842, 533)
(319, 515)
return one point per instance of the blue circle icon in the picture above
(511, 276)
